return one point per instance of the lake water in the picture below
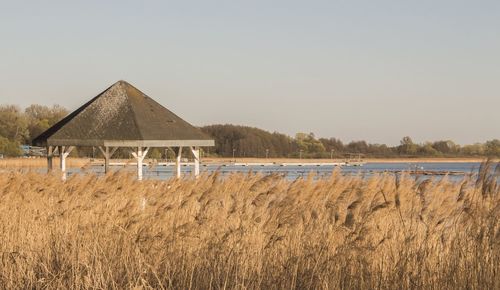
(294, 171)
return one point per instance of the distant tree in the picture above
(9, 147)
(407, 146)
(248, 141)
(446, 147)
(308, 143)
(155, 153)
(333, 144)
(476, 149)
(428, 150)
(13, 124)
(40, 118)
(381, 150)
(357, 147)
(492, 148)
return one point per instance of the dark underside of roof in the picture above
(122, 113)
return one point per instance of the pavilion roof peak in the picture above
(122, 82)
(120, 113)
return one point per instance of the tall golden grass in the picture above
(249, 231)
(27, 163)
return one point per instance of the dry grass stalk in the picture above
(30, 163)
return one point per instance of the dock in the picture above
(237, 164)
(314, 164)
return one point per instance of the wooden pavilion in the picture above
(123, 116)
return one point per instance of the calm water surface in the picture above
(295, 171)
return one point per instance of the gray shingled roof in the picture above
(123, 116)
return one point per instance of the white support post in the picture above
(139, 163)
(63, 154)
(178, 162)
(139, 157)
(196, 154)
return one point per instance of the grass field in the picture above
(249, 231)
(9, 163)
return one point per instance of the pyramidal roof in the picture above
(123, 116)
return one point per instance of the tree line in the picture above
(19, 127)
(253, 142)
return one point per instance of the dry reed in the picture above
(30, 163)
(249, 231)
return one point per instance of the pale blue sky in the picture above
(373, 70)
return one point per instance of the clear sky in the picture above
(372, 70)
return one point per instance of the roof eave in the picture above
(159, 143)
(129, 143)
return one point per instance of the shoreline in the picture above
(209, 160)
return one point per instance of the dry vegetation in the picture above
(28, 163)
(249, 231)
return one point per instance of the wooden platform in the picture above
(242, 164)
